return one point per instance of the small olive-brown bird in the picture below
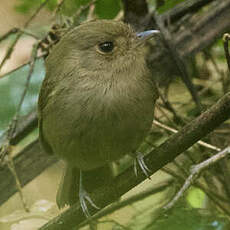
(96, 103)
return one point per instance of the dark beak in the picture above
(146, 35)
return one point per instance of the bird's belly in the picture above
(92, 143)
(99, 131)
(104, 141)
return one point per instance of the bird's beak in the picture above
(146, 35)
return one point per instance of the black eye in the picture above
(106, 47)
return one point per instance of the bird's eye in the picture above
(106, 47)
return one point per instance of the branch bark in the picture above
(135, 12)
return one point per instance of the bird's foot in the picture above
(139, 161)
(84, 197)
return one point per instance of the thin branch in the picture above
(226, 39)
(5, 153)
(19, 67)
(195, 172)
(202, 143)
(10, 32)
(12, 127)
(20, 33)
(59, 6)
(11, 166)
(213, 196)
(31, 64)
(169, 107)
(30, 162)
(169, 43)
(197, 184)
(80, 10)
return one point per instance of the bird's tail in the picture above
(67, 193)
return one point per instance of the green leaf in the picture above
(25, 6)
(181, 218)
(196, 197)
(168, 5)
(107, 8)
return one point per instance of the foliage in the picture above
(103, 8)
(181, 218)
(25, 6)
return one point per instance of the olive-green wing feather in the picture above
(45, 91)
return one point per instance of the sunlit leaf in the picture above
(196, 197)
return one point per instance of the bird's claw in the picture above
(83, 197)
(139, 159)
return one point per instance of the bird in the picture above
(96, 103)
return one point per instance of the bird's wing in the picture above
(45, 91)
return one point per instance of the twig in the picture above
(19, 34)
(30, 162)
(170, 108)
(226, 39)
(15, 119)
(195, 172)
(168, 41)
(16, 30)
(80, 10)
(59, 6)
(10, 32)
(214, 197)
(21, 66)
(6, 150)
(11, 166)
(159, 109)
(12, 127)
(202, 143)
(90, 15)
(197, 184)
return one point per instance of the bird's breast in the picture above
(103, 123)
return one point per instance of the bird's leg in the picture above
(84, 196)
(139, 161)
